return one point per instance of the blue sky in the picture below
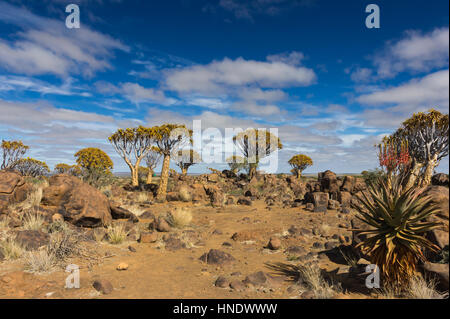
(309, 68)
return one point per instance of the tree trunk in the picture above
(149, 176)
(162, 189)
(429, 170)
(184, 171)
(298, 173)
(134, 176)
(252, 171)
(413, 174)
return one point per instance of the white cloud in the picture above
(46, 46)
(219, 75)
(416, 52)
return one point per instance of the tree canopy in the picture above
(31, 167)
(299, 163)
(12, 152)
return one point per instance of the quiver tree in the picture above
(236, 163)
(63, 168)
(256, 144)
(168, 138)
(94, 164)
(152, 160)
(427, 138)
(133, 144)
(185, 159)
(31, 167)
(299, 163)
(12, 151)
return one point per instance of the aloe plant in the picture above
(397, 219)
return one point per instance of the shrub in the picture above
(39, 261)
(420, 288)
(11, 249)
(31, 167)
(396, 239)
(116, 233)
(33, 222)
(179, 218)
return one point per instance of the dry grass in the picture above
(116, 233)
(135, 209)
(11, 249)
(310, 275)
(142, 197)
(4, 223)
(64, 244)
(420, 288)
(179, 217)
(33, 222)
(40, 261)
(98, 234)
(184, 194)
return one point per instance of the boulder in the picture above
(32, 239)
(349, 184)
(440, 179)
(344, 198)
(320, 201)
(216, 195)
(440, 196)
(13, 189)
(328, 182)
(80, 203)
(217, 257)
(118, 212)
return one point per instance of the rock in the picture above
(244, 201)
(296, 250)
(122, 266)
(148, 237)
(348, 184)
(172, 197)
(237, 285)
(221, 282)
(216, 195)
(162, 225)
(440, 179)
(440, 196)
(118, 212)
(79, 203)
(344, 198)
(320, 201)
(217, 257)
(256, 279)
(331, 244)
(147, 215)
(13, 189)
(57, 218)
(333, 204)
(309, 294)
(328, 182)
(246, 235)
(103, 286)
(310, 207)
(213, 178)
(439, 271)
(2, 257)
(172, 243)
(32, 239)
(274, 243)
(132, 249)
(228, 174)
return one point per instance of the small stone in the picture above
(122, 266)
(57, 218)
(221, 282)
(148, 237)
(274, 243)
(132, 249)
(237, 285)
(103, 286)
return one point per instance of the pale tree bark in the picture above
(298, 173)
(252, 170)
(162, 189)
(184, 170)
(149, 176)
(414, 174)
(429, 170)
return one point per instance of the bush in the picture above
(39, 261)
(116, 233)
(11, 249)
(179, 218)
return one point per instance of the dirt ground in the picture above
(155, 272)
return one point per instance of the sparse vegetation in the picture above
(11, 249)
(179, 218)
(40, 261)
(32, 221)
(116, 233)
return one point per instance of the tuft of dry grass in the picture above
(135, 209)
(116, 233)
(98, 234)
(11, 249)
(420, 288)
(64, 244)
(4, 223)
(179, 217)
(311, 276)
(33, 222)
(40, 261)
(185, 195)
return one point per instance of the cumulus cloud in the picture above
(46, 46)
(218, 75)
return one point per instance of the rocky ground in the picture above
(217, 236)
